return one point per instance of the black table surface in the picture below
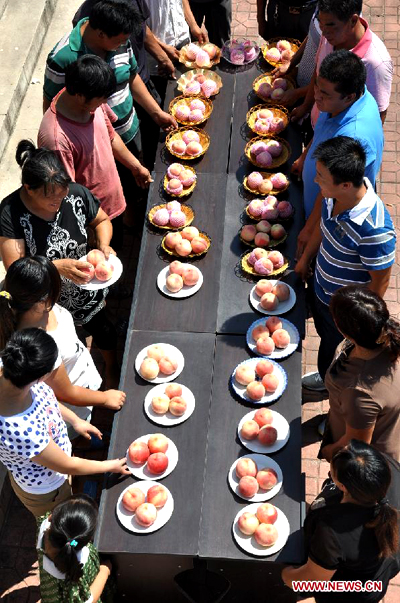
(220, 504)
(199, 312)
(180, 535)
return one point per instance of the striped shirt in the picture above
(122, 61)
(354, 242)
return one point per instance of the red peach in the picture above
(260, 253)
(190, 276)
(281, 338)
(146, 514)
(199, 245)
(259, 331)
(168, 365)
(95, 256)
(269, 302)
(245, 374)
(255, 390)
(267, 435)
(173, 389)
(89, 270)
(265, 187)
(266, 535)
(267, 478)
(157, 463)
(281, 291)
(174, 283)
(248, 486)
(133, 498)
(138, 453)
(270, 382)
(263, 286)
(249, 430)
(261, 239)
(267, 513)
(172, 239)
(248, 523)
(177, 406)
(263, 416)
(264, 367)
(104, 271)
(155, 351)
(277, 231)
(246, 466)
(149, 368)
(183, 248)
(157, 496)
(263, 226)
(160, 404)
(157, 443)
(273, 323)
(248, 232)
(265, 345)
(177, 267)
(189, 232)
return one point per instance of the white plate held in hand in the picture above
(95, 284)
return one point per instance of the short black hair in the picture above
(90, 76)
(40, 167)
(346, 71)
(115, 17)
(345, 159)
(342, 9)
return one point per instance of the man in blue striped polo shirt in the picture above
(356, 241)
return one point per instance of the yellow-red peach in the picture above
(281, 291)
(149, 368)
(174, 283)
(89, 270)
(146, 514)
(263, 226)
(257, 332)
(172, 239)
(269, 301)
(199, 245)
(270, 382)
(248, 486)
(267, 478)
(249, 430)
(133, 498)
(177, 267)
(157, 496)
(160, 404)
(265, 345)
(138, 453)
(263, 286)
(190, 276)
(167, 365)
(103, 271)
(177, 406)
(255, 390)
(157, 443)
(248, 232)
(261, 239)
(263, 416)
(245, 374)
(277, 231)
(267, 435)
(189, 232)
(281, 338)
(95, 256)
(266, 535)
(183, 248)
(273, 323)
(173, 389)
(155, 351)
(246, 466)
(267, 513)
(157, 463)
(248, 523)
(264, 367)
(265, 187)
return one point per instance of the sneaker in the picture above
(313, 381)
(321, 428)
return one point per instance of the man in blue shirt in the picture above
(355, 243)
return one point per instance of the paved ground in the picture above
(18, 578)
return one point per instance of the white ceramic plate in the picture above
(278, 353)
(168, 420)
(141, 471)
(282, 308)
(128, 519)
(170, 350)
(249, 544)
(268, 398)
(280, 424)
(95, 283)
(262, 462)
(185, 291)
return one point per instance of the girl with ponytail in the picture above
(352, 530)
(69, 564)
(363, 380)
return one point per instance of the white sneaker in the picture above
(313, 381)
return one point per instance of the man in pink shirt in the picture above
(78, 127)
(343, 28)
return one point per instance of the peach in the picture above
(194, 148)
(104, 271)
(265, 89)
(264, 266)
(157, 463)
(281, 291)
(172, 390)
(168, 365)
(89, 270)
(200, 78)
(261, 239)
(177, 406)
(199, 245)
(155, 351)
(269, 301)
(249, 430)
(255, 207)
(264, 367)
(281, 338)
(266, 535)
(177, 267)
(95, 256)
(265, 345)
(285, 209)
(210, 49)
(246, 466)
(248, 523)
(263, 226)
(138, 453)
(259, 253)
(267, 513)
(149, 368)
(273, 323)
(183, 248)
(157, 496)
(248, 233)
(255, 390)
(244, 374)
(270, 382)
(263, 286)
(265, 187)
(263, 416)
(172, 239)
(267, 435)
(157, 443)
(160, 404)
(267, 478)
(146, 514)
(174, 283)
(189, 232)
(277, 231)
(177, 218)
(248, 486)
(190, 276)
(133, 498)
(257, 332)
(178, 147)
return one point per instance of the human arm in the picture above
(99, 582)
(379, 281)
(311, 225)
(121, 152)
(11, 250)
(145, 100)
(301, 111)
(295, 60)
(364, 435)
(153, 47)
(309, 571)
(262, 24)
(310, 251)
(196, 31)
(65, 391)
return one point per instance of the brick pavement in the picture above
(19, 580)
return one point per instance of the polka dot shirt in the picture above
(27, 434)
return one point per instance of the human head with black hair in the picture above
(339, 22)
(90, 80)
(114, 21)
(28, 356)
(41, 168)
(340, 166)
(363, 318)
(363, 474)
(33, 285)
(340, 82)
(72, 526)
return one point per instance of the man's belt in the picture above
(298, 10)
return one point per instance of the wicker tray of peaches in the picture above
(271, 89)
(180, 180)
(262, 263)
(268, 152)
(189, 110)
(267, 122)
(266, 183)
(269, 209)
(278, 51)
(171, 215)
(187, 143)
(267, 236)
(189, 242)
(200, 82)
(200, 55)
